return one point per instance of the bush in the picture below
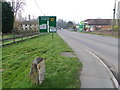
(116, 27)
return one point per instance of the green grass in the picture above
(103, 34)
(61, 72)
(8, 36)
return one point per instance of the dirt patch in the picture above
(68, 54)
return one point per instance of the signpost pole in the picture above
(52, 35)
(48, 27)
(43, 35)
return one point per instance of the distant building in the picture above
(29, 25)
(99, 24)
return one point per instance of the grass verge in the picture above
(61, 72)
(105, 33)
(8, 36)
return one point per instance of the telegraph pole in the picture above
(118, 15)
(114, 12)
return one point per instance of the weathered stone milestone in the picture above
(37, 72)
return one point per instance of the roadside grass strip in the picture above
(109, 34)
(61, 72)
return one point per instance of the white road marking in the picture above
(113, 77)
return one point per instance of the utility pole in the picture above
(118, 15)
(114, 12)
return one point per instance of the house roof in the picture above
(99, 21)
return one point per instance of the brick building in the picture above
(100, 24)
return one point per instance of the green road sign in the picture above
(52, 24)
(43, 24)
(47, 24)
(81, 28)
(52, 21)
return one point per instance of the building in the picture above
(29, 25)
(99, 24)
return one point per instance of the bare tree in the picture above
(17, 6)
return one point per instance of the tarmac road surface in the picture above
(95, 52)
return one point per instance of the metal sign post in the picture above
(48, 26)
(52, 35)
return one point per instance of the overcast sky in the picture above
(74, 10)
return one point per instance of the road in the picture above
(95, 52)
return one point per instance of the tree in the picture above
(61, 24)
(17, 7)
(70, 24)
(7, 17)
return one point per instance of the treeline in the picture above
(10, 10)
(7, 17)
(12, 25)
(65, 25)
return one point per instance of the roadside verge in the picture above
(61, 72)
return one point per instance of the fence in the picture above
(18, 36)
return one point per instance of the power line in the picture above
(39, 7)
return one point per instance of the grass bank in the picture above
(61, 72)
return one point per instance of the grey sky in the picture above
(74, 10)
